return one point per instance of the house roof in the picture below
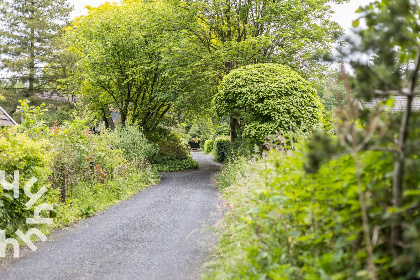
(399, 103)
(5, 119)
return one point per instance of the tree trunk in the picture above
(233, 128)
(107, 117)
(63, 188)
(32, 64)
(123, 118)
(398, 180)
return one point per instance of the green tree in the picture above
(58, 72)
(132, 57)
(237, 33)
(27, 30)
(268, 98)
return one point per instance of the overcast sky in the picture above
(344, 13)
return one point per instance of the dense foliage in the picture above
(391, 37)
(30, 157)
(236, 33)
(83, 172)
(222, 149)
(345, 206)
(208, 146)
(296, 226)
(355, 214)
(142, 65)
(173, 154)
(26, 39)
(134, 144)
(267, 98)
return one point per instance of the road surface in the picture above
(156, 234)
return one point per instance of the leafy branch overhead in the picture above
(237, 33)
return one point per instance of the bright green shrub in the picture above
(20, 153)
(173, 154)
(269, 98)
(170, 145)
(172, 165)
(222, 149)
(292, 225)
(134, 144)
(208, 146)
(31, 120)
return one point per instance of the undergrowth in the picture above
(278, 222)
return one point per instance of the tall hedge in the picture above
(223, 149)
(268, 98)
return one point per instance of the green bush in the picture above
(172, 165)
(222, 149)
(173, 154)
(293, 225)
(208, 146)
(134, 144)
(171, 145)
(69, 159)
(56, 117)
(269, 98)
(20, 153)
(81, 156)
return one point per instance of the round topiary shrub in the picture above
(268, 98)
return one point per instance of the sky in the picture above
(344, 13)
(80, 4)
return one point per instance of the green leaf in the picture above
(355, 23)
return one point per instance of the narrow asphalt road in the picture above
(157, 234)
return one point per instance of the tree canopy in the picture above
(237, 33)
(26, 37)
(132, 58)
(268, 98)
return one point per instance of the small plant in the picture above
(30, 157)
(31, 119)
